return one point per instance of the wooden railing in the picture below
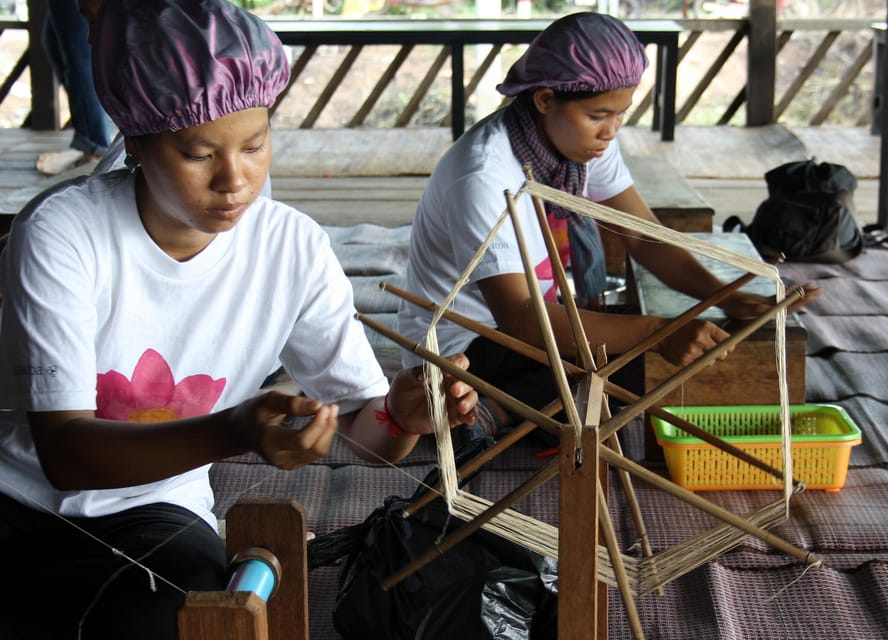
(452, 38)
(833, 59)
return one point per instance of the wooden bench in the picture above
(748, 375)
(675, 202)
(459, 33)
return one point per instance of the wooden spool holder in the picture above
(582, 594)
(280, 528)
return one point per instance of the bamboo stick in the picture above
(618, 392)
(625, 479)
(610, 541)
(570, 305)
(506, 441)
(705, 505)
(545, 323)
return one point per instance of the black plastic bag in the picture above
(483, 588)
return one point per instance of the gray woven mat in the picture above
(871, 264)
(720, 603)
(369, 298)
(368, 233)
(371, 260)
(707, 602)
(850, 296)
(869, 414)
(842, 375)
(858, 333)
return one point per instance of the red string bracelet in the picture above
(384, 417)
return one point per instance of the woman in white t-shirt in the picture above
(142, 310)
(571, 89)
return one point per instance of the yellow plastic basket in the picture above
(822, 437)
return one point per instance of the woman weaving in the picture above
(142, 310)
(571, 89)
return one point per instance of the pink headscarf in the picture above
(581, 52)
(165, 65)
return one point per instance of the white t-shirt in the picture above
(96, 316)
(462, 202)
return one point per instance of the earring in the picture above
(131, 163)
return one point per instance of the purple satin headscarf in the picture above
(581, 52)
(165, 65)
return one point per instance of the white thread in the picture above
(391, 464)
(114, 551)
(152, 576)
(814, 565)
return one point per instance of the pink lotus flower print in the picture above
(152, 395)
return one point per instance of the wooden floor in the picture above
(343, 177)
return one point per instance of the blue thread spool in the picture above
(256, 570)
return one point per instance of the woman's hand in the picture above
(690, 342)
(408, 405)
(263, 424)
(745, 306)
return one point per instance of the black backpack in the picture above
(808, 214)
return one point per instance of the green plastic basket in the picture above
(822, 437)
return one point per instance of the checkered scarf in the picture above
(551, 168)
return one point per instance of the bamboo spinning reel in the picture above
(589, 437)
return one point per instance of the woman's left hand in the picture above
(408, 404)
(745, 306)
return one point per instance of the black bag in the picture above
(808, 214)
(483, 583)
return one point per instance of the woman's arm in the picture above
(680, 270)
(676, 267)
(79, 451)
(508, 297)
(389, 427)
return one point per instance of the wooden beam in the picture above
(45, 110)
(761, 62)
(580, 605)
(882, 218)
(279, 526)
(233, 615)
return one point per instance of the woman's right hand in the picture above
(690, 342)
(261, 425)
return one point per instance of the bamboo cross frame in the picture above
(531, 414)
(610, 388)
(569, 460)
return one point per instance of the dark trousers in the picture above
(531, 382)
(61, 581)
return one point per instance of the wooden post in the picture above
(882, 218)
(272, 524)
(45, 112)
(233, 615)
(761, 65)
(582, 611)
(280, 527)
